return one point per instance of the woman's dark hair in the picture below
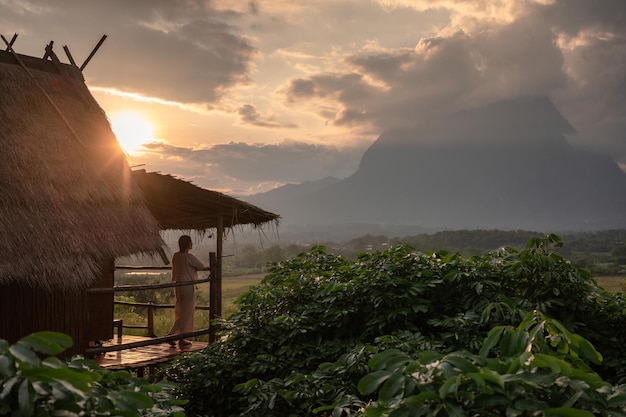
(183, 242)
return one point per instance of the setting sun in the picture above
(133, 130)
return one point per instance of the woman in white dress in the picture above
(185, 268)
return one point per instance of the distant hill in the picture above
(505, 166)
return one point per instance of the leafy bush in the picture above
(31, 386)
(304, 338)
(540, 369)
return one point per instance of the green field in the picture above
(613, 283)
(232, 287)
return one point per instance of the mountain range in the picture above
(507, 165)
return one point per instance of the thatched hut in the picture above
(68, 205)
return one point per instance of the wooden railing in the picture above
(215, 299)
(150, 307)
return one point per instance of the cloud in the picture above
(250, 115)
(441, 74)
(243, 168)
(570, 51)
(177, 50)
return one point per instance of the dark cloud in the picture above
(352, 93)
(573, 16)
(194, 64)
(570, 51)
(593, 39)
(240, 167)
(249, 115)
(178, 50)
(441, 74)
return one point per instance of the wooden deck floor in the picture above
(141, 357)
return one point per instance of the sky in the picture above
(245, 96)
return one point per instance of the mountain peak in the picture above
(506, 166)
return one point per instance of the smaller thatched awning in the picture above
(179, 204)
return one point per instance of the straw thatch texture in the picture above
(179, 204)
(67, 200)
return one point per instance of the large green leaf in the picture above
(49, 343)
(491, 340)
(429, 356)
(459, 360)
(79, 381)
(422, 397)
(586, 350)
(26, 398)
(389, 359)
(558, 366)
(370, 382)
(492, 376)
(7, 367)
(451, 385)
(24, 355)
(392, 387)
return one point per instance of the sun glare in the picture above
(132, 130)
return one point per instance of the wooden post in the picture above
(151, 320)
(215, 288)
(212, 294)
(218, 275)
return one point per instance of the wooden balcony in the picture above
(135, 353)
(148, 353)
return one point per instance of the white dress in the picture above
(185, 268)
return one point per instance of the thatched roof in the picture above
(179, 204)
(67, 198)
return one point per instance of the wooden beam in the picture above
(53, 57)
(12, 41)
(69, 55)
(48, 49)
(82, 67)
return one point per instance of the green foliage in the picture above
(541, 369)
(36, 386)
(328, 335)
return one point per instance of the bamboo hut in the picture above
(68, 205)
